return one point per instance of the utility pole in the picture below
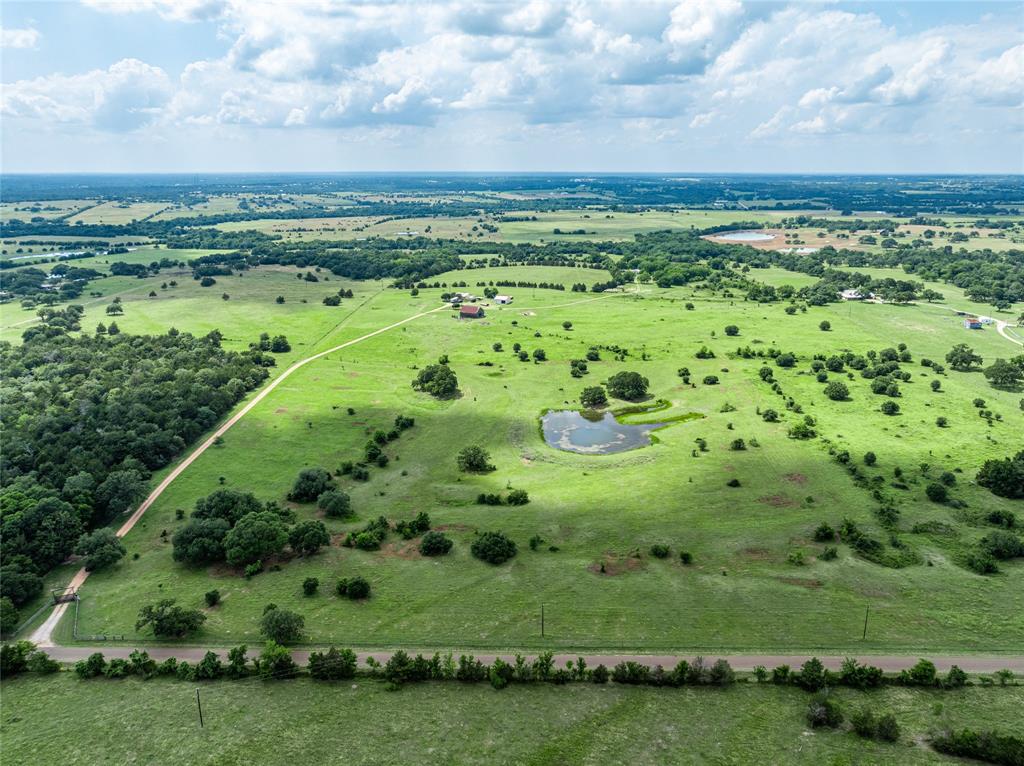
(200, 706)
(865, 636)
(542, 621)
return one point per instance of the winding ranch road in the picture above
(43, 634)
(42, 637)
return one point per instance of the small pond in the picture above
(593, 433)
(745, 236)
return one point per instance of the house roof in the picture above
(470, 311)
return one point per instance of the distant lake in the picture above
(593, 433)
(745, 236)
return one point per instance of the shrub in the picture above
(864, 723)
(812, 675)
(824, 533)
(936, 492)
(837, 392)
(281, 625)
(310, 585)
(659, 551)
(212, 598)
(825, 326)
(91, 667)
(335, 503)
(253, 569)
(518, 497)
(355, 588)
(435, 544)
(733, 483)
(332, 665)
(686, 557)
(599, 675)
(831, 553)
(737, 445)
(474, 459)
(493, 547)
(276, 662)
(870, 458)
(1001, 544)
(310, 484)
(890, 408)
(1004, 477)
(710, 380)
(732, 330)
(770, 416)
(888, 729)
(824, 711)
(989, 746)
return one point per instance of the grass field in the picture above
(741, 592)
(61, 719)
(118, 212)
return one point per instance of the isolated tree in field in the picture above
(962, 357)
(890, 408)
(355, 588)
(281, 625)
(201, 541)
(335, 504)
(280, 345)
(474, 459)
(115, 309)
(307, 537)
(493, 547)
(732, 330)
(1004, 477)
(785, 360)
(628, 385)
(438, 380)
(435, 544)
(255, 537)
(310, 484)
(593, 397)
(825, 326)
(566, 325)
(936, 492)
(227, 504)
(101, 549)
(1003, 374)
(168, 620)
(539, 355)
(837, 392)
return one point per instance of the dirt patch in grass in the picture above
(453, 528)
(756, 554)
(802, 582)
(796, 478)
(402, 549)
(614, 564)
(352, 374)
(777, 501)
(280, 410)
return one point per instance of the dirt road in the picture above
(42, 636)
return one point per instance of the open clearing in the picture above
(741, 592)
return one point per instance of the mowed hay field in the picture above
(62, 719)
(741, 591)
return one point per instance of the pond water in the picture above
(593, 433)
(745, 236)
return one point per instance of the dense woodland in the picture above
(87, 419)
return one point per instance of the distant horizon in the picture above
(680, 174)
(766, 87)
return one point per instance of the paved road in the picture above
(891, 663)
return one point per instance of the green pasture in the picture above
(62, 719)
(742, 591)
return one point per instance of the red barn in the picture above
(470, 312)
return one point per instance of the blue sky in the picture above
(698, 85)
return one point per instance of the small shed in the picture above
(972, 323)
(504, 299)
(851, 295)
(470, 312)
